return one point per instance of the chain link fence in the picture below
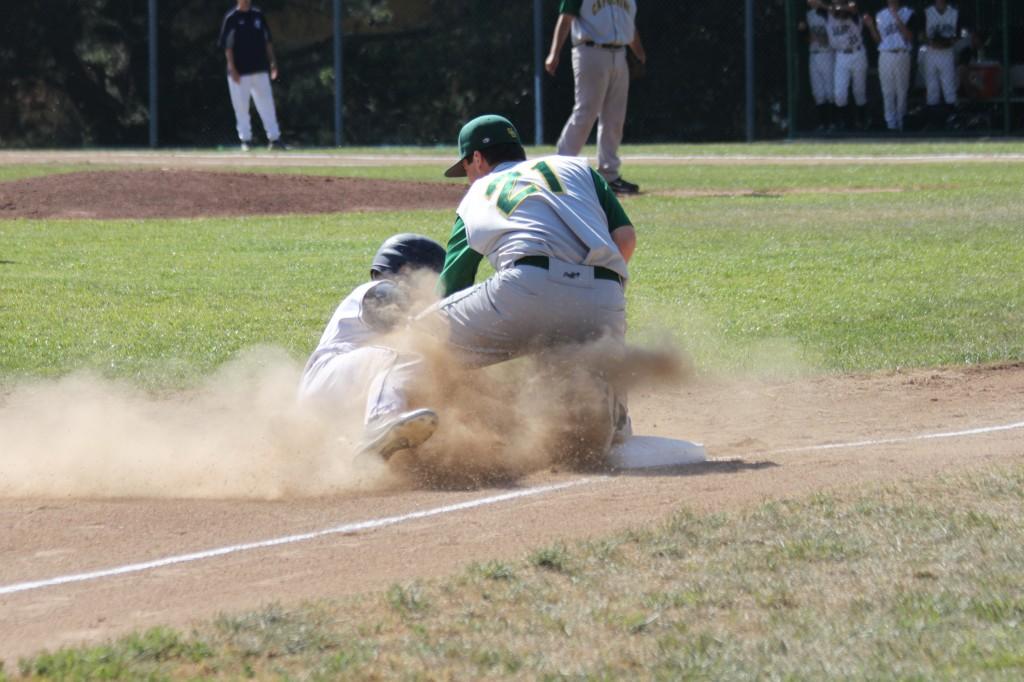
(414, 70)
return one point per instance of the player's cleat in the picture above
(622, 186)
(245, 146)
(277, 146)
(408, 430)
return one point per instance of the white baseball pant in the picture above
(851, 69)
(373, 378)
(257, 87)
(601, 79)
(940, 76)
(894, 75)
(822, 71)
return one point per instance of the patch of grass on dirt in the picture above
(914, 581)
(20, 171)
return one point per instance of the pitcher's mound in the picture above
(189, 193)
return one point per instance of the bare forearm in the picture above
(561, 33)
(625, 238)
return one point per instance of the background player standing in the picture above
(601, 32)
(941, 30)
(846, 35)
(895, 41)
(821, 65)
(249, 50)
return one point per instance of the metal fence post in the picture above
(338, 74)
(750, 70)
(1007, 75)
(791, 60)
(538, 74)
(154, 109)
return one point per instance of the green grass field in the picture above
(844, 268)
(801, 269)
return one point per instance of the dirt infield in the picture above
(195, 193)
(765, 437)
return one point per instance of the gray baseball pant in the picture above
(527, 309)
(601, 79)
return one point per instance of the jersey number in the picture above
(509, 199)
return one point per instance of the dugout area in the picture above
(990, 58)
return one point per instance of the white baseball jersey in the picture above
(941, 25)
(540, 207)
(608, 22)
(817, 27)
(348, 329)
(845, 33)
(889, 30)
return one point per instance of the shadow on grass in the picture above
(8, 262)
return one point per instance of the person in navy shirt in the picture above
(248, 46)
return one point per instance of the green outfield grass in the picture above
(916, 581)
(38, 170)
(842, 268)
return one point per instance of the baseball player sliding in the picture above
(895, 38)
(846, 36)
(351, 364)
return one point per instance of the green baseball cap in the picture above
(481, 133)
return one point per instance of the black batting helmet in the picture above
(407, 250)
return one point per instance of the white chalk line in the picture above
(901, 439)
(371, 524)
(448, 509)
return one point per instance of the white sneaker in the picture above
(245, 146)
(407, 430)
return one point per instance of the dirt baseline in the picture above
(753, 430)
(190, 193)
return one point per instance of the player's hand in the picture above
(551, 64)
(273, 72)
(235, 76)
(869, 20)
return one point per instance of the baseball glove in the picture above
(637, 69)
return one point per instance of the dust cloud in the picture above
(243, 434)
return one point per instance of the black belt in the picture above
(542, 262)
(607, 46)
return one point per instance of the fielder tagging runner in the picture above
(559, 242)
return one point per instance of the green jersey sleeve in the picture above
(610, 203)
(460, 262)
(570, 7)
